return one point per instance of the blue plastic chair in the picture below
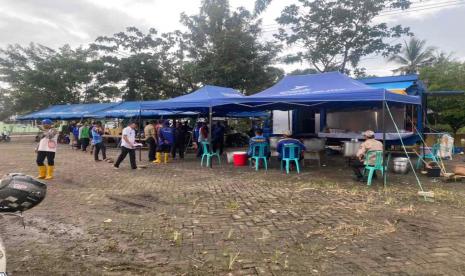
(290, 153)
(259, 152)
(209, 154)
(378, 166)
(432, 155)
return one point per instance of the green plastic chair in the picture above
(378, 166)
(290, 153)
(209, 154)
(259, 152)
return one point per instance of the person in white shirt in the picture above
(128, 146)
(47, 148)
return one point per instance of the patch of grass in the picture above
(233, 205)
(232, 259)
(177, 238)
(354, 230)
(449, 197)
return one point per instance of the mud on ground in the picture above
(181, 219)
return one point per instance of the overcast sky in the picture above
(78, 22)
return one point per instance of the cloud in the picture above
(54, 23)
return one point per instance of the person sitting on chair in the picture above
(288, 140)
(370, 144)
(257, 139)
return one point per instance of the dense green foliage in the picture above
(225, 51)
(446, 75)
(336, 34)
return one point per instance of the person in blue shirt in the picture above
(288, 140)
(77, 144)
(165, 140)
(257, 139)
(97, 141)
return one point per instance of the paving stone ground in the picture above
(181, 219)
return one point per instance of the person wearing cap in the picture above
(149, 132)
(47, 148)
(165, 142)
(127, 146)
(370, 144)
(289, 140)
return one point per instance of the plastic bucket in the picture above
(230, 156)
(240, 158)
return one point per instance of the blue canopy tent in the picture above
(67, 112)
(133, 110)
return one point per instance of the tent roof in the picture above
(132, 110)
(69, 111)
(331, 89)
(205, 97)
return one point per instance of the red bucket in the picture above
(240, 159)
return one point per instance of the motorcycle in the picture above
(18, 193)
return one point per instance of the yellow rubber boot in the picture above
(167, 156)
(157, 158)
(42, 172)
(49, 172)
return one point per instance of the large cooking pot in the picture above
(314, 144)
(350, 148)
(400, 165)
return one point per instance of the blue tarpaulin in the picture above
(405, 83)
(67, 112)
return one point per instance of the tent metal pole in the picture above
(384, 142)
(210, 114)
(289, 120)
(140, 133)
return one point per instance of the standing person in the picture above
(84, 136)
(127, 146)
(195, 138)
(91, 138)
(180, 135)
(46, 149)
(72, 138)
(76, 136)
(370, 144)
(204, 136)
(149, 132)
(165, 142)
(97, 141)
(218, 137)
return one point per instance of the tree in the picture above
(414, 56)
(224, 48)
(6, 109)
(443, 76)
(145, 63)
(336, 34)
(39, 76)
